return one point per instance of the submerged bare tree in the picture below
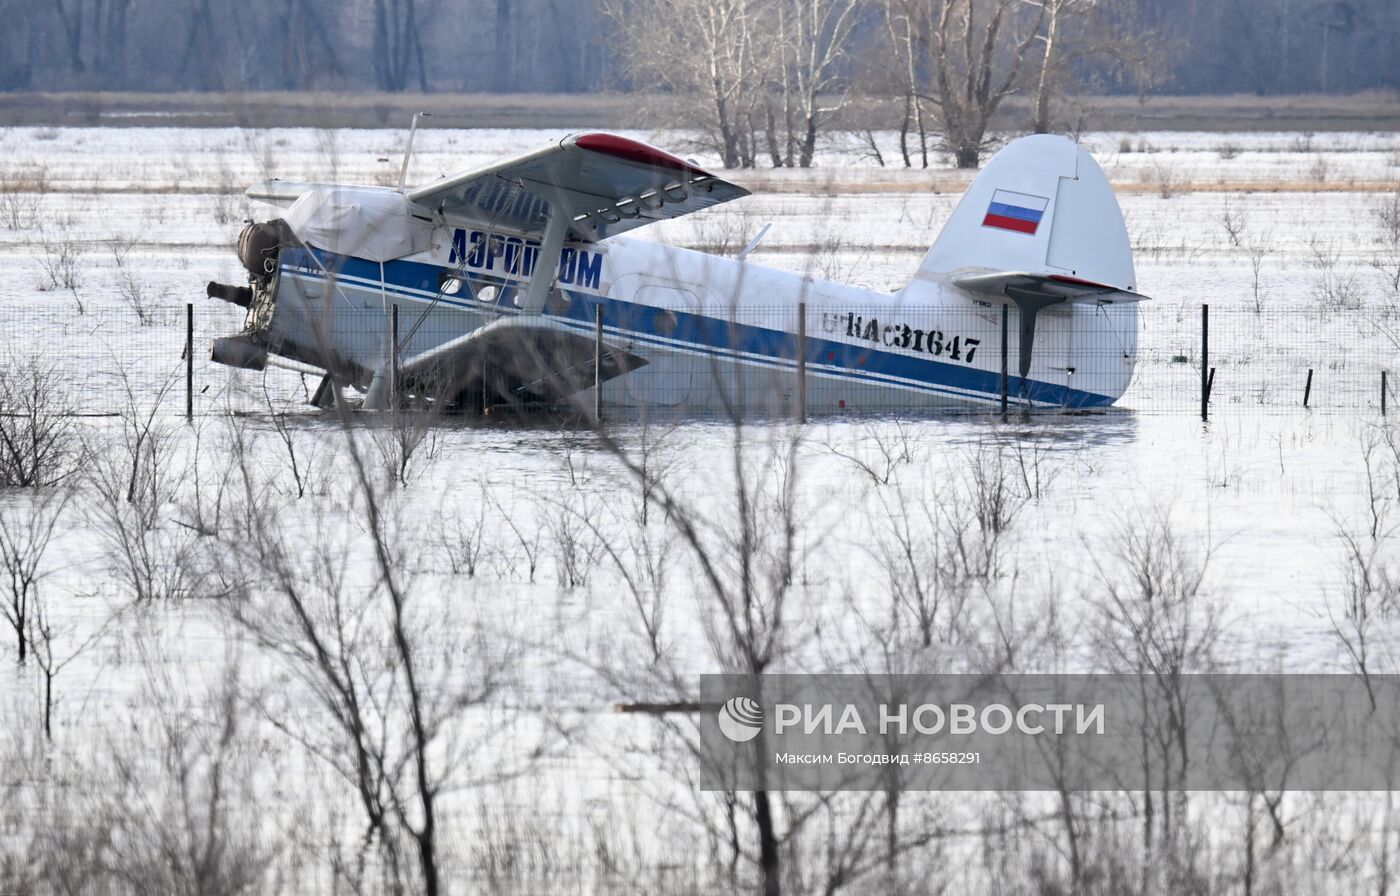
(40, 442)
(391, 663)
(1387, 255)
(745, 553)
(1159, 621)
(26, 530)
(1370, 594)
(161, 803)
(135, 478)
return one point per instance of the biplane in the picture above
(522, 283)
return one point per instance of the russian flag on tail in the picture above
(1018, 212)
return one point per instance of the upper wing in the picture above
(1049, 286)
(609, 185)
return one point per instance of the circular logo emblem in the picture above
(740, 719)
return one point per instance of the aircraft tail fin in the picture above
(1041, 206)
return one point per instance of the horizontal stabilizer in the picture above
(1053, 287)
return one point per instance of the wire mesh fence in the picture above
(1158, 359)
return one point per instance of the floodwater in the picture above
(1260, 495)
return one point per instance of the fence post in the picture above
(189, 360)
(1382, 393)
(1005, 378)
(1307, 388)
(1205, 361)
(394, 357)
(598, 363)
(801, 362)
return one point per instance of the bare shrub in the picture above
(178, 805)
(230, 205)
(826, 262)
(1156, 614)
(941, 546)
(1370, 596)
(1387, 256)
(1037, 463)
(21, 196)
(577, 544)
(642, 552)
(869, 148)
(1228, 151)
(1335, 285)
(40, 443)
(1256, 251)
(882, 448)
(725, 232)
(130, 286)
(1319, 170)
(390, 664)
(133, 487)
(53, 642)
(746, 550)
(994, 497)
(1235, 221)
(59, 264)
(529, 536)
(1164, 179)
(407, 443)
(1157, 619)
(161, 803)
(929, 564)
(462, 537)
(26, 529)
(307, 457)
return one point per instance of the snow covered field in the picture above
(544, 588)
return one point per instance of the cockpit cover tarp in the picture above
(374, 224)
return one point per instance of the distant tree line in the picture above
(254, 45)
(765, 76)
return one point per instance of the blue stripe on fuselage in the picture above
(712, 335)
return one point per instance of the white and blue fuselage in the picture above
(714, 331)
(1028, 292)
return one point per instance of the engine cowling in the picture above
(260, 244)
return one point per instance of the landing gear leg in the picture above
(326, 394)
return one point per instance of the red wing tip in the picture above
(634, 151)
(1080, 281)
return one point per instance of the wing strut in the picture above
(551, 247)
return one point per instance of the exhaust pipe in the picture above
(241, 296)
(239, 351)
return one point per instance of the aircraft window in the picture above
(665, 322)
(450, 285)
(487, 293)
